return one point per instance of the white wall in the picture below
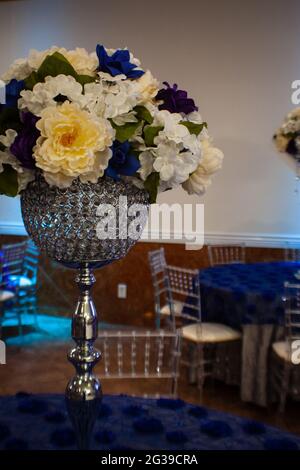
(237, 59)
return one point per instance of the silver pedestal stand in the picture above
(63, 224)
(83, 392)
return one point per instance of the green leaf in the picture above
(9, 181)
(53, 65)
(193, 127)
(151, 186)
(9, 119)
(143, 114)
(150, 132)
(83, 79)
(32, 80)
(126, 131)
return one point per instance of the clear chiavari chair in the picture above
(19, 269)
(134, 355)
(199, 339)
(286, 353)
(160, 282)
(291, 253)
(226, 254)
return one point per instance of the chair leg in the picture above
(201, 377)
(1, 318)
(284, 388)
(19, 313)
(157, 321)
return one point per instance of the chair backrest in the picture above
(226, 254)
(130, 354)
(157, 261)
(291, 253)
(19, 259)
(12, 262)
(31, 262)
(158, 268)
(292, 312)
(185, 289)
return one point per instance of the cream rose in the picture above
(73, 143)
(211, 162)
(147, 87)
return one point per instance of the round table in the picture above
(237, 294)
(125, 423)
(248, 297)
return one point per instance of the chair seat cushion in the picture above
(6, 295)
(282, 350)
(210, 333)
(178, 306)
(20, 281)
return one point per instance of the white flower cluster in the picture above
(24, 175)
(80, 117)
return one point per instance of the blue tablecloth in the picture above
(41, 422)
(243, 294)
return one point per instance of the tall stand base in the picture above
(83, 392)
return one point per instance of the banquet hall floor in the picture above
(40, 366)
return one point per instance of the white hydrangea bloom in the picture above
(43, 94)
(146, 159)
(172, 165)
(120, 98)
(172, 130)
(124, 118)
(9, 137)
(94, 98)
(109, 78)
(195, 116)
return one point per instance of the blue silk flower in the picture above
(117, 63)
(123, 161)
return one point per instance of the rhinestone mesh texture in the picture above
(62, 222)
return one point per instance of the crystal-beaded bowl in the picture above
(63, 222)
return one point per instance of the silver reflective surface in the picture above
(62, 222)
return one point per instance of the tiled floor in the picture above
(37, 363)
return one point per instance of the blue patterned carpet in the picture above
(41, 422)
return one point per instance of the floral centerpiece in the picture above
(79, 130)
(74, 115)
(287, 138)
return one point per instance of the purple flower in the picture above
(174, 100)
(123, 161)
(23, 144)
(117, 63)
